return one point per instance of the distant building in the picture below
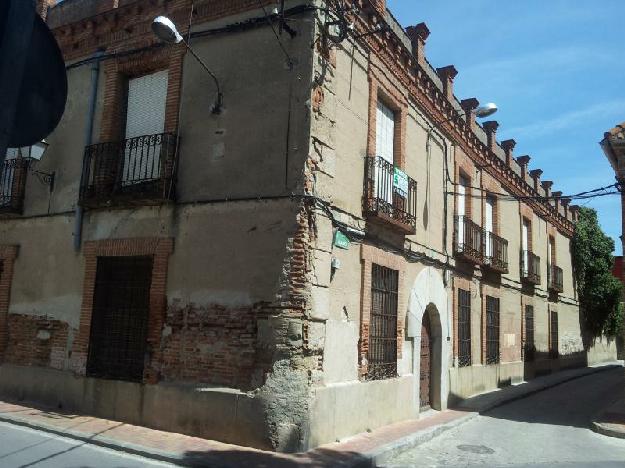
(617, 270)
(340, 248)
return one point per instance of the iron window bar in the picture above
(555, 278)
(492, 330)
(468, 239)
(13, 174)
(495, 252)
(139, 168)
(529, 346)
(382, 351)
(530, 267)
(553, 335)
(464, 328)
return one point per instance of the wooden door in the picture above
(426, 362)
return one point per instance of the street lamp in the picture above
(481, 112)
(166, 31)
(35, 153)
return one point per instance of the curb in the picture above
(369, 459)
(599, 428)
(413, 440)
(528, 393)
(95, 440)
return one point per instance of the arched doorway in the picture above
(428, 325)
(425, 378)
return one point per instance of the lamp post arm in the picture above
(219, 102)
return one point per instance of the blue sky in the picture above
(555, 68)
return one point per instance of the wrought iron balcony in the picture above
(468, 240)
(530, 267)
(390, 195)
(555, 278)
(495, 252)
(136, 171)
(13, 174)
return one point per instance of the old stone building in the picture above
(335, 246)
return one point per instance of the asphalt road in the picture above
(547, 429)
(22, 447)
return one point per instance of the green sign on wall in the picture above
(340, 240)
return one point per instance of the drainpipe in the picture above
(95, 77)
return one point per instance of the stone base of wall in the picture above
(346, 409)
(214, 413)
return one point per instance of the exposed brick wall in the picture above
(213, 344)
(36, 341)
(8, 254)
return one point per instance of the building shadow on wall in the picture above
(573, 403)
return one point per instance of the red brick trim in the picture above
(117, 72)
(8, 254)
(160, 249)
(370, 255)
(381, 89)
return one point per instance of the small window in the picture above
(529, 346)
(492, 330)
(382, 354)
(464, 328)
(553, 335)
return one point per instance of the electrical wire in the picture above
(275, 33)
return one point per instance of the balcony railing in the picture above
(555, 278)
(495, 252)
(468, 240)
(530, 267)
(13, 174)
(390, 195)
(138, 170)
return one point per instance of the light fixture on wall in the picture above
(35, 153)
(166, 31)
(481, 112)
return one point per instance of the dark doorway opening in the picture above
(119, 322)
(425, 390)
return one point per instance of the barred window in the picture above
(382, 354)
(529, 346)
(492, 330)
(464, 328)
(553, 335)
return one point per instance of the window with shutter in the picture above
(145, 117)
(464, 328)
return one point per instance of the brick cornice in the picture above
(398, 60)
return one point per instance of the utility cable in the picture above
(275, 33)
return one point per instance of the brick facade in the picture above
(37, 341)
(214, 344)
(8, 254)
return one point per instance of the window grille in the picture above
(119, 321)
(492, 330)
(382, 353)
(553, 335)
(529, 346)
(464, 328)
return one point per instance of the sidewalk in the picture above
(365, 449)
(611, 422)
